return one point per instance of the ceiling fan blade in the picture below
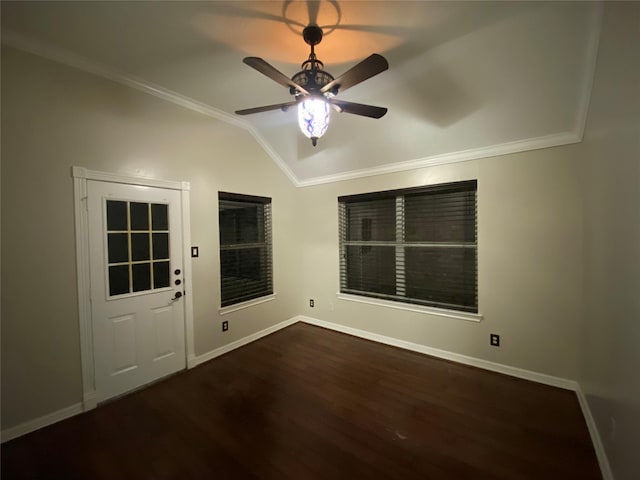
(271, 72)
(369, 67)
(266, 108)
(358, 108)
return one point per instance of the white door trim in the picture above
(80, 177)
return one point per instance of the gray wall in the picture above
(559, 235)
(610, 157)
(529, 262)
(54, 117)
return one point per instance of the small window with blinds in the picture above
(245, 247)
(416, 245)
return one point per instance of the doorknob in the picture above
(178, 295)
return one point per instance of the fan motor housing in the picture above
(311, 80)
(312, 35)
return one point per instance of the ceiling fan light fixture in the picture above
(315, 89)
(314, 114)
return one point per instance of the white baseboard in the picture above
(90, 401)
(455, 357)
(195, 361)
(40, 422)
(601, 454)
(45, 420)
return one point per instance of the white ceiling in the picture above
(466, 80)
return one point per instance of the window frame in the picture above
(129, 231)
(231, 304)
(398, 298)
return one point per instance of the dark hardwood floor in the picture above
(308, 403)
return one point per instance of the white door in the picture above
(137, 305)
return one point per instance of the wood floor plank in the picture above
(309, 403)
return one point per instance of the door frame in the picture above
(80, 177)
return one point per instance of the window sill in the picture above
(249, 303)
(470, 317)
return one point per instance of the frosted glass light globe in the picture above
(313, 118)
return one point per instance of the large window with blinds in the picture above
(416, 245)
(245, 247)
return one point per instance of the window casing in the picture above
(245, 247)
(416, 245)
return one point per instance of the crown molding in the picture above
(591, 58)
(574, 135)
(547, 141)
(553, 140)
(65, 57)
(277, 159)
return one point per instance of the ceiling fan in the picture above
(315, 90)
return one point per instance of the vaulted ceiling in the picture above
(466, 79)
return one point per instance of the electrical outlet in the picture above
(225, 326)
(311, 304)
(494, 340)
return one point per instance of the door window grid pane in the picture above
(118, 279)
(138, 216)
(141, 275)
(144, 272)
